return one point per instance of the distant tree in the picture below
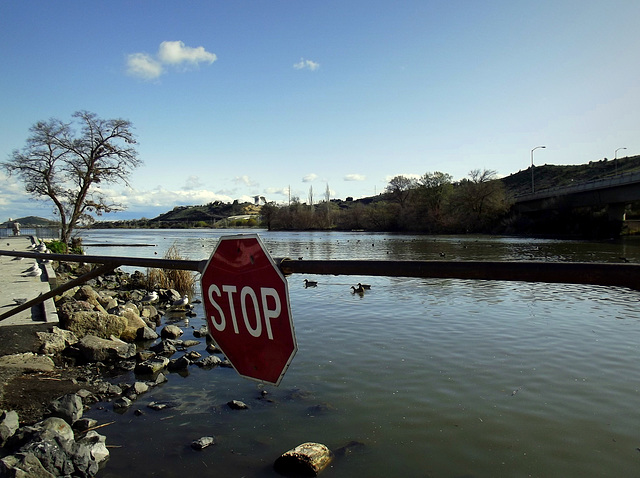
(479, 200)
(399, 189)
(433, 189)
(68, 166)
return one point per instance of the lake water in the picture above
(435, 377)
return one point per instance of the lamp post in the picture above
(615, 158)
(533, 186)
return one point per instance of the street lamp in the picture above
(615, 159)
(533, 186)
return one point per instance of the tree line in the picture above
(433, 203)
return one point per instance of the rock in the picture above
(28, 361)
(193, 355)
(23, 465)
(69, 408)
(96, 445)
(190, 343)
(307, 459)
(181, 363)
(164, 347)
(56, 341)
(151, 366)
(161, 405)
(146, 333)
(96, 349)
(140, 387)
(201, 332)
(213, 349)
(202, 443)
(171, 332)
(237, 405)
(349, 448)
(9, 424)
(98, 324)
(84, 424)
(209, 362)
(122, 403)
(161, 378)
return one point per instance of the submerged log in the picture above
(307, 459)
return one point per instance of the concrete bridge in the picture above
(614, 193)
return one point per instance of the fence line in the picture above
(594, 273)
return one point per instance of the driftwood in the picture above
(307, 459)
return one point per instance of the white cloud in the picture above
(355, 177)
(143, 66)
(176, 52)
(246, 180)
(306, 65)
(193, 182)
(170, 53)
(309, 178)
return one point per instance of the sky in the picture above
(280, 98)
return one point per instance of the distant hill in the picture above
(551, 176)
(29, 221)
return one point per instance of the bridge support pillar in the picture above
(615, 211)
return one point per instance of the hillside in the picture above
(29, 221)
(550, 176)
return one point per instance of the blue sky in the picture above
(232, 99)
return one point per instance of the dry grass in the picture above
(182, 281)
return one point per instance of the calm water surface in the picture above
(436, 377)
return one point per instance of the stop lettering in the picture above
(246, 302)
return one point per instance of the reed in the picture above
(182, 281)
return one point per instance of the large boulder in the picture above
(97, 349)
(98, 324)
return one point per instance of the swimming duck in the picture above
(310, 283)
(357, 290)
(364, 286)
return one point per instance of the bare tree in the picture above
(68, 166)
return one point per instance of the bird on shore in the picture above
(34, 273)
(150, 297)
(310, 283)
(42, 247)
(181, 302)
(364, 286)
(32, 268)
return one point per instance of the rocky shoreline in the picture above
(108, 326)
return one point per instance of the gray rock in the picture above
(164, 347)
(171, 332)
(56, 341)
(152, 366)
(202, 443)
(9, 424)
(237, 405)
(209, 362)
(96, 349)
(201, 332)
(84, 424)
(23, 465)
(147, 333)
(68, 407)
(122, 403)
(181, 363)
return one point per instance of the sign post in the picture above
(246, 301)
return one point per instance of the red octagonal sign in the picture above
(246, 301)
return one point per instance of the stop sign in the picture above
(246, 301)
